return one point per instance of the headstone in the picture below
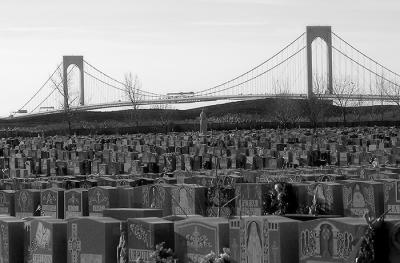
(48, 241)
(329, 197)
(92, 240)
(330, 240)
(145, 233)
(26, 202)
(391, 197)
(188, 199)
(76, 203)
(362, 196)
(7, 202)
(251, 197)
(267, 239)
(27, 236)
(52, 201)
(100, 198)
(197, 237)
(11, 239)
(157, 196)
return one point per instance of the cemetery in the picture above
(240, 196)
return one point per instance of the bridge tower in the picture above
(78, 62)
(325, 33)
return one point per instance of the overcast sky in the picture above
(175, 45)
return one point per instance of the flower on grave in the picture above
(277, 200)
(212, 257)
(226, 255)
(209, 258)
(162, 254)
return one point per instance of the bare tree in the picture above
(315, 105)
(343, 91)
(163, 114)
(286, 111)
(389, 88)
(358, 110)
(65, 103)
(132, 91)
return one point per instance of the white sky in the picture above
(175, 45)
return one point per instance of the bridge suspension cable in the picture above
(40, 89)
(278, 59)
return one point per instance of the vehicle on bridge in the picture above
(174, 95)
(44, 109)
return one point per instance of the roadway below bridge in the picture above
(208, 98)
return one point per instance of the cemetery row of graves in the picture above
(256, 196)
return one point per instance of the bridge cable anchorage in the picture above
(371, 71)
(258, 75)
(275, 55)
(119, 82)
(368, 57)
(44, 84)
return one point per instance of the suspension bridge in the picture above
(317, 63)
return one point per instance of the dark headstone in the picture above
(11, 237)
(26, 202)
(125, 213)
(7, 202)
(76, 203)
(92, 239)
(52, 201)
(100, 198)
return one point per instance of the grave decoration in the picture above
(278, 199)
(122, 248)
(372, 246)
(215, 258)
(221, 198)
(163, 254)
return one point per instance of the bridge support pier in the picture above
(78, 62)
(325, 33)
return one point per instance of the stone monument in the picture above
(203, 123)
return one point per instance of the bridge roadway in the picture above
(194, 99)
